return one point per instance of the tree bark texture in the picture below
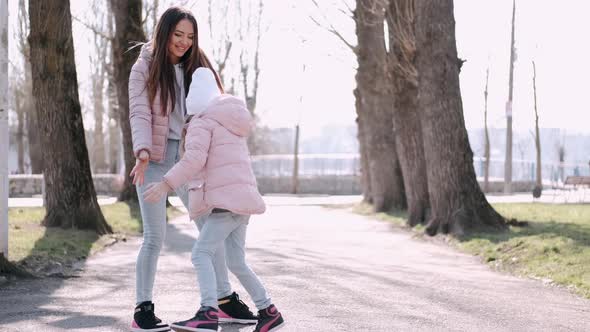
(70, 195)
(407, 128)
(363, 142)
(376, 103)
(539, 177)
(457, 202)
(28, 103)
(99, 155)
(128, 29)
(33, 134)
(486, 153)
(99, 74)
(114, 130)
(20, 131)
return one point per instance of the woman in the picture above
(157, 90)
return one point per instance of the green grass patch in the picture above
(555, 246)
(40, 249)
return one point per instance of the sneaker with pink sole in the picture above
(269, 320)
(145, 320)
(205, 320)
(234, 310)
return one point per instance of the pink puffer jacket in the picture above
(216, 164)
(149, 125)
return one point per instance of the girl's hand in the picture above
(141, 165)
(155, 192)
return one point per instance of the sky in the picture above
(548, 32)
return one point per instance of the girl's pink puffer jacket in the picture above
(216, 165)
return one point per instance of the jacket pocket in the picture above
(195, 195)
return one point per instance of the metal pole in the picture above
(4, 128)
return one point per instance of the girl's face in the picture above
(180, 40)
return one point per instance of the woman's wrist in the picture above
(143, 155)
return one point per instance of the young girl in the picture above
(160, 77)
(223, 194)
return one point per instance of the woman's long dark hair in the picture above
(161, 74)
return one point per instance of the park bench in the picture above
(577, 183)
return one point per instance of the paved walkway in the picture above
(549, 196)
(326, 269)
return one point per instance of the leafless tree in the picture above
(508, 161)
(486, 153)
(98, 68)
(457, 203)
(219, 32)
(361, 49)
(27, 102)
(128, 29)
(538, 176)
(150, 16)
(407, 128)
(70, 195)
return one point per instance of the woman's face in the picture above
(180, 40)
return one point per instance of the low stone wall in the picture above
(28, 185)
(317, 184)
(517, 186)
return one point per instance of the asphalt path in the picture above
(325, 269)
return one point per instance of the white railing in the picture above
(349, 164)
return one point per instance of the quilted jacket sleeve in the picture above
(140, 113)
(198, 141)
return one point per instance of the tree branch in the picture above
(350, 10)
(330, 28)
(93, 29)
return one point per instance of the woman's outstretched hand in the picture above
(155, 192)
(141, 164)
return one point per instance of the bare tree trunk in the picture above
(30, 116)
(114, 130)
(457, 203)
(363, 143)
(363, 128)
(373, 82)
(156, 4)
(222, 41)
(150, 14)
(486, 152)
(20, 132)
(128, 29)
(406, 120)
(99, 76)
(70, 195)
(561, 156)
(98, 146)
(508, 160)
(32, 121)
(33, 131)
(539, 178)
(112, 107)
(250, 64)
(4, 137)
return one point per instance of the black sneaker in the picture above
(205, 320)
(269, 320)
(144, 319)
(233, 310)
